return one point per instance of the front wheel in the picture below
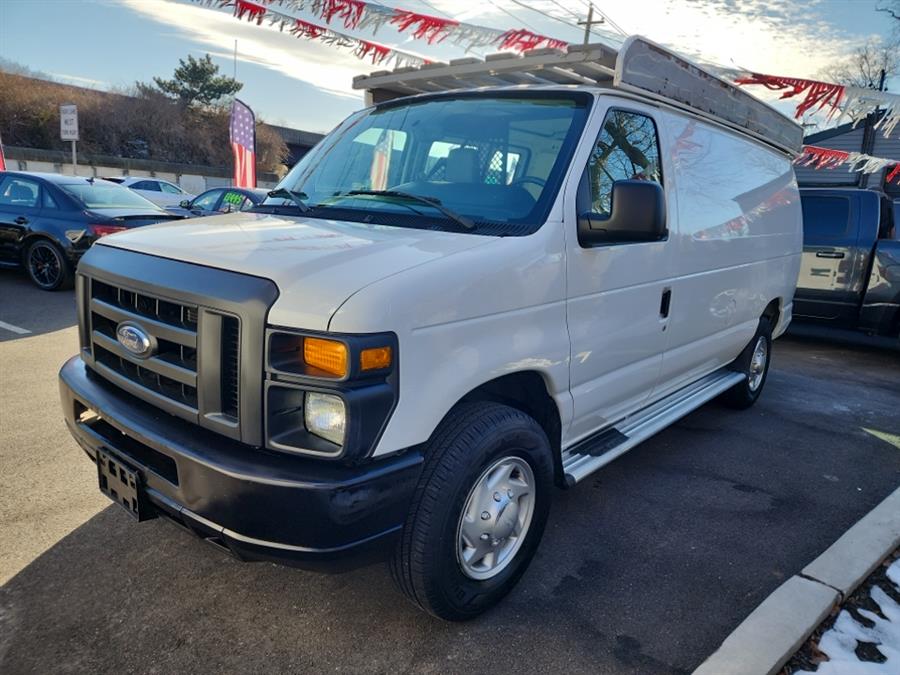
(478, 512)
(754, 362)
(47, 265)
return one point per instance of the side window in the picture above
(151, 185)
(626, 149)
(19, 193)
(49, 202)
(825, 218)
(171, 189)
(206, 201)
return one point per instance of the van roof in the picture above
(640, 67)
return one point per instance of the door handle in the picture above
(834, 255)
(21, 220)
(665, 302)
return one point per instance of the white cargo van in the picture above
(457, 301)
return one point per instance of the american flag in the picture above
(243, 144)
(381, 160)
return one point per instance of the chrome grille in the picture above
(171, 377)
(230, 368)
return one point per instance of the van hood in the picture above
(317, 264)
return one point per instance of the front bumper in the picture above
(257, 504)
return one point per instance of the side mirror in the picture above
(637, 214)
(185, 203)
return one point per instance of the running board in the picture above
(586, 456)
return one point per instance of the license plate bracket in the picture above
(122, 483)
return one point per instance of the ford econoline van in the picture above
(489, 283)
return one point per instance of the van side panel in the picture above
(465, 320)
(737, 243)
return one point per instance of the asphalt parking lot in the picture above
(644, 567)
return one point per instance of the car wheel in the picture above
(47, 266)
(478, 511)
(754, 362)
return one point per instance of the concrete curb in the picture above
(766, 639)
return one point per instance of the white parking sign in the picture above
(68, 122)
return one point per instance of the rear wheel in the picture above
(478, 512)
(47, 265)
(754, 362)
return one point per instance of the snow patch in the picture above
(840, 641)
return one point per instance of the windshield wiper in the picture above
(296, 197)
(430, 201)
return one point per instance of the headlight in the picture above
(325, 416)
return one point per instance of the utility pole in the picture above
(234, 75)
(590, 23)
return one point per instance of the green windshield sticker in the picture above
(233, 198)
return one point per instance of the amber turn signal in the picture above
(376, 358)
(329, 356)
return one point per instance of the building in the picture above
(861, 138)
(298, 142)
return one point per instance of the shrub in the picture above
(138, 123)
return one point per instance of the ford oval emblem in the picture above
(135, 339)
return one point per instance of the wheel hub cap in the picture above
(758, 363)
(496, 518)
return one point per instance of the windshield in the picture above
(101, 195)
(496, 161)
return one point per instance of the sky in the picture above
(307, 85)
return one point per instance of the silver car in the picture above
(160, 192)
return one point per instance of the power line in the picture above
(567, 10)
(549, 16)
(556, 18)
(508, 13)
(600, 12)
(439, 11)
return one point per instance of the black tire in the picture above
(47, 265)
(471, 439)
(744, 394)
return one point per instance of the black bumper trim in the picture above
(257, 504)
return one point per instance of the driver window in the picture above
(627, 149)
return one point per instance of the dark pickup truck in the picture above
(850, 274)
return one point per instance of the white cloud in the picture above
(769, 36)
(80, 81)
(321, 66)
(762, 35)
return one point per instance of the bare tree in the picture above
(892, 9)
(863, 67)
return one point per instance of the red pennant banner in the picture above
(305, 29)
(430, 28)
(349, 12)
(895, 173)
(821, 158)
(825, 94)
(827, 158)
(522, 40)
(375, 52)
(251, 10)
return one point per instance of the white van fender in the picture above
(467, 320)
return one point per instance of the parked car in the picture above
(48, 221)
(219, 200)
(160, 192)
(453, 303)
(850, 275)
